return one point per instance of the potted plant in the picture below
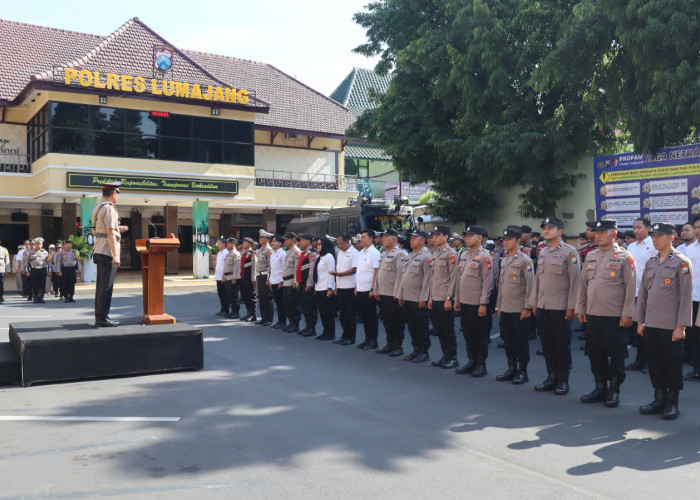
(83, 251)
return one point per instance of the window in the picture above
(104, 131)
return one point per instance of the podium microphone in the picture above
(155, 229)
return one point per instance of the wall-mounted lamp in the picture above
(103, 99)
(215, 111)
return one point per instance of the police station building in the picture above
(184, 132)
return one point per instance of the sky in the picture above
(311, 40)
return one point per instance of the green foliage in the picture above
(82, 249)
(428, 197)
(512, 93)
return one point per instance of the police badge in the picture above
(163, 58)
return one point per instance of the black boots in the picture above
(521, 375)
(548, 384)
(613, 399)
(466, 369)
(671, 410)
(509, 374)
(598, 394)
(479, 367)
(656, 406)
(562, 384)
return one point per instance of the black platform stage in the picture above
(9, 365)
(73, 350)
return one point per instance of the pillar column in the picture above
(269, 220)
(171, 264)
(136, 232)
(225, 224)
(70, 217)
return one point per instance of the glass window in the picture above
(207, 151)
(237, 131)
(138, 146)
(109, 144)
(65, 114)
(141, 122)
(71, 141)
(107, 119)
(239, 154)
(175, 149)
(207, 128)
(176, 126)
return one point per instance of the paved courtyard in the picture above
(275, 415)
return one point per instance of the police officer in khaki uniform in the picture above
(664, 310)
(67, 266)
(553, 300)
(4, 268)
(390, 312)
(37, 266)
(305, 293)
(291, 299)
(262, 271)
(514, 283)
(248, 265)
(107, 232)
(413, 291)
(606, 306)
(232, 275)
(29, 250)
(473, 289)
(443, 264)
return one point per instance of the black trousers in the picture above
(348, 310)
(26, 286)
(106, 274)
(474, 328)
(278, 297)
(665, 359)
(326, 311)
(417, 321)
(232, 291)
(56, 284)
(307, 302)
(514, 333)
(606, 347)
(692, 341)
(291, 304)
(221, 292)
(248, 295)
(555, 335)
(444, 324)
(265, 299)
(68, 282)
(2, 286)
(368, 312)
(392, 319)
(38, 280)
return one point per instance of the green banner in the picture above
(147, 183)
(87, 205)
(200, 236)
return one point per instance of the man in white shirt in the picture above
(641, 249)
(25, 280)
(219, 277)
(367, 266)
(692, 339)
(687, 236)
(275, 279)
(345, 269)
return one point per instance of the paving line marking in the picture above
(16, 418)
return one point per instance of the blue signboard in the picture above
(661, 187)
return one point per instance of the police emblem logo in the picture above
(574, 260)
(630, 261)
(529, 267)
(685, 269)
(163, 58)
(488, 264)
(667, 281)
(453, 259)
(612, 274)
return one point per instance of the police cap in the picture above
(663, 228)
(605, 224)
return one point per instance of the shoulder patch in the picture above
(685, 267)
(529, 267)
(574, 258)
(312, 256)
(630, 261)
(453, 259)
(488, 263)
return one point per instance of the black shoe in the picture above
(107, 322)
(396, 352)
(466, 369)
(480, 368)
(563, 385)
(520, 378)
(286, 328)
(439, 362)
(293, 328)
(613, 399)
(221, 313)
(250, 319)
(411, 357)
(70, 299)
(267, 323)
(449, 364)
(548, 384)
(362, 345)
(260, 321)
(421, 358)
(346, 342)
(310, 332)
(598, 394)
(385, 350)
(656, 406)
(325, 337)
(508, 375)
(693, 375)
(370, 346)
(671, 410)
(338, 341)
(279, 325)
(636, 366)
(232, 316)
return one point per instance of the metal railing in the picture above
(15, 163)
(302, 180)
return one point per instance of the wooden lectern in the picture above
(153, 252)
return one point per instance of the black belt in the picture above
(40, 267)
(228, 274)
(288, 277)
(263, 273)
(67, 267)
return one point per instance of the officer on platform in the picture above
(389, 309)
(4, 268)
(247, 277)
(37, 265)
(106, 253)
(606, 306)
(472, 295)
(291, 301)
(262, 270)
(231, 277)
(515, 281)
(413, 292)
(67, 266)
(305, 293)
(443, 264)
(664, 310)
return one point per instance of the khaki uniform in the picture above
(413, 286)
(38, 263)
(390, 312)
(291, 298)
(665, 302)
(232, 271)
(4, 268)
(515, 279)
(67, 264)
(262, 273)
(443, 265)
(232, 266)
(105, 216)
(607, 290)
(473, 288)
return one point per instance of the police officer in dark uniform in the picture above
(606, 306)
(262, 271)
(664, 310)
(106, 252)
(306, 294)
(246, 281)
